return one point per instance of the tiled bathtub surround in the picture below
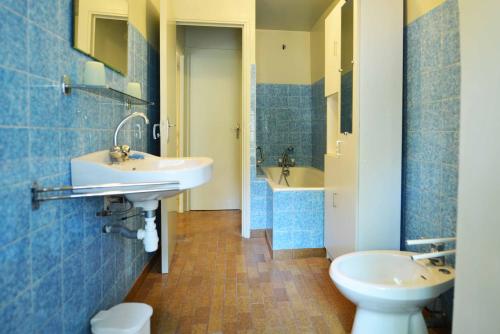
(291, 115)
(56, 267)
(300, 111)
(431, 127)
(296, 219)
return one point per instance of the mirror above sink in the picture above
(101, 31)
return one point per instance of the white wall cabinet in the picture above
(332, 50)
(363, 167)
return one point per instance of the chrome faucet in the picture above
(119, 153)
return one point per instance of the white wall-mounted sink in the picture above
(96, 169)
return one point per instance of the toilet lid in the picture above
(125, 318)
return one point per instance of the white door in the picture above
(214, 125)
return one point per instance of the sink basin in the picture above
(96, 169)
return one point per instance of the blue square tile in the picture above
(39, 139)
(93, 293)
(44, 103)
(451, 47)
(13, 143)
(44, 53)
(75, 318)
(73, 278)
(19, 6)
(17, 316)
(65, 30)
(47, 297)
(14, 172)
(451, 114)
(53, 326)
(92, 256)
(450, 146)
(14, 97)
(450, 15)
(14, 222)
(73, 234)
(45, 250)
(13, 29)
(15, 266)
(432, 116)
(45, 13)
(47, 214)
(430, 177)
(450, 81)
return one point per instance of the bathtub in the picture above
(300, 178)
(295, 212)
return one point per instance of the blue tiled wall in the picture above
(346, 97)
(56, 267)
(284, 119)
(431, 127)
(297, 219)
(318, 124)
(431, 123)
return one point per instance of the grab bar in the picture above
(432, 255)
(429, 241)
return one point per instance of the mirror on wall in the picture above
(346, 78)
(101, 31)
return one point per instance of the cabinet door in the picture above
(332, 50)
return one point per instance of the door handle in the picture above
(338, 148)
(156, 131)
(169, 125)
(237, 129)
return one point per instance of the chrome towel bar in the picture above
(110, 189)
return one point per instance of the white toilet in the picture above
(389, 289)
(125, 318)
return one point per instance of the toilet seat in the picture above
(125, 318)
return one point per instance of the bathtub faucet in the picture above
(285, 161)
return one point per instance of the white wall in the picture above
(212, 38)
(289, 66)
(477, 288)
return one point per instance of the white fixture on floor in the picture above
(143, 170)
(389, 289)
(125, 318)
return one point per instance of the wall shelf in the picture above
(104, 91)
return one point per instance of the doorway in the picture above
(213, 109)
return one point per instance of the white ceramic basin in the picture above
(96, 169)
(389, 289)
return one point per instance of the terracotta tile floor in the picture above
(221, 283)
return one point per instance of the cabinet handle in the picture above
(333, 200)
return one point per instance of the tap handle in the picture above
(125, 149)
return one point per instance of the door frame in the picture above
(245, 110)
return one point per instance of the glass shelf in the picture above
(104, 91)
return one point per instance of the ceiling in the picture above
(298, 15)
